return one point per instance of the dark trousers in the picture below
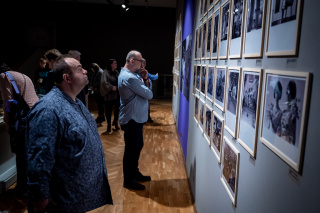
(99, 100)
(109, 107)
(133, 138)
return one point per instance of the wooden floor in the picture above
(161, 158)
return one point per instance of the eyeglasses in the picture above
(137, 60)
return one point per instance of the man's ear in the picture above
(66, 78)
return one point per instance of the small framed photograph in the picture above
(203, 80)
(224, 30)
(284, 114)
(196, 108)
(232, 100)
(249, 109)
(230, 169)
(204, 41)
(220, 87)
(200, 42)
(215, 34)
(217, 135)
(283, 27)
(209, 33)
(208, 124)
(254, 28)
(198, 78)
(236, 29)
(202, 114)
(210, 80)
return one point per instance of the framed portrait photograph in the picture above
(254, 28)
(208, 124)
(209, 85)
(230, 169)
(209, 33)
(217, 135)
(198, 78)
(220, 87)
(224, 30)
(196, 108)
(283, 27)
(236, 29)
(200, 42)
(249, 109)
(232, 100)
(204, 41)
(202, 114)
(203, 80)
(215, 34)
(284, 114)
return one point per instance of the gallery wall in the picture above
(270, 170)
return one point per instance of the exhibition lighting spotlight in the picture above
(127, 9)
(125, 4)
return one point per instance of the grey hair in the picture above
(132, 54)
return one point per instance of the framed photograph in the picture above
(194, 79)
(202, 114)
(198, 78)
(217, 135)
(220, 87)
(283, 27)
(249, 109)
(186, 59)
(284, 114)
(200, 42)
(209, 33)
(208, 124)
(232, 100)
(254, 28)
(224, 30)
(196, 108)
(230, 169)
(196, 44)
(236, 29)
(204, 41)
(209, 85)
(203, 80)
(215, 34)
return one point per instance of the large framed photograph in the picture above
(284, 116)
(186, 66)
(215, 34)
(254, 28)
(217, 135)
(204, 41)
(230, 169)
(224, 30)
(220, 87)
(209, 33)
(196, 108)
(208, 124)
(283, 27)
(249, 109)
(202, 114)
(203, 80)
(236, 29)
(198, 78)
(209, 85)
(232, 100)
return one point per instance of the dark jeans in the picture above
(109, 106)
(133, 138)
(99, 100)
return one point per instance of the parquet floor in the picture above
(161, 158)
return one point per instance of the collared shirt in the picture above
(134, 96)
(65, 158)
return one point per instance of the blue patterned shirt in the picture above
(134, 96)
(65, 158)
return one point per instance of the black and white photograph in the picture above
(186, 66)
(202, 114)
(198, 78)
(204, 36)
(284, 106)
(254, 30)
(217, 135)
(196, 108)
(200, 42)
(220, 84)
(208, 51)
(230, 169)
(203, 80)
(208, 123)
(232, 100)
(224, 30)
(236, 25)
(210, 80)
(283, 27)
(215, 36)
(249, 110)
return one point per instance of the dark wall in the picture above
(99, 32)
